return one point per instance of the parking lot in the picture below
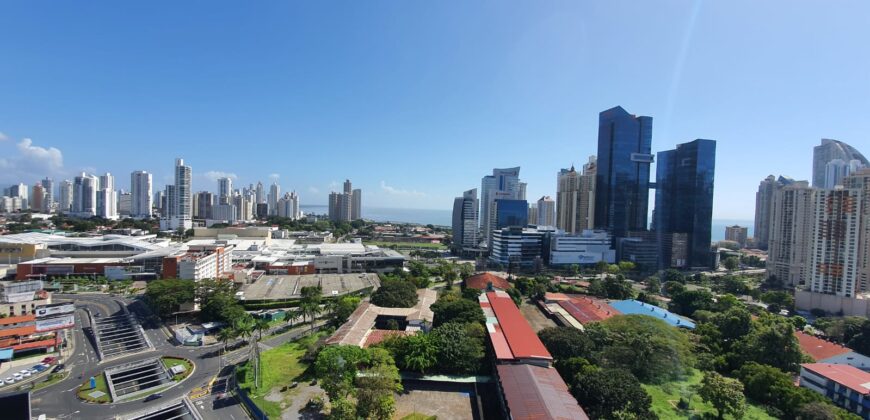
(133, 379)
(119, 334)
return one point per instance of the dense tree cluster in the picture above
(360, 383)
(395, 293)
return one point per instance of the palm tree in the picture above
(291, 316)
(245, 327)
(225, 335)
(261, 325)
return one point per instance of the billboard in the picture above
(55, 323)
(16, 297)
(66, 308)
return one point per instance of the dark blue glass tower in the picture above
(622, 179)
(511, 213)
(684, 200)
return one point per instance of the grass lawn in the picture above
(279, 367)
(85, 389)
(666, 396)
(169, 362)
(418, 416)
(406, 245)
(52, 379)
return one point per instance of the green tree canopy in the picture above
(166, 296)
(648, 347)
(566, 342)
(725, 394)
(605, 392)
(395, 293)
(452, 309)
(460, 347)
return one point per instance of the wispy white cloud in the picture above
(27, 160)
(215, 175)
(397, 191)
(313, 190)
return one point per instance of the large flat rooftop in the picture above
(286, 287)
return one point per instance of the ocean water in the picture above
(444, 217)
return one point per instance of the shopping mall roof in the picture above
(281, 287)
(535, 392)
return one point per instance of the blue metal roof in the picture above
(5, 354)
(634, 307)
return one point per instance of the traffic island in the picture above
(135, 380)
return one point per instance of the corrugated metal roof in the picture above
(817, 348)
(523, 341)
(534, 392)
(848, 376)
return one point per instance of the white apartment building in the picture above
(141, 194)
(790, 239)
(834, 251)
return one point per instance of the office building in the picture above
(622, 173)
(830, 150)
(737, 234)
(684, 201)
(140, 194)
(764, 208)
(274, 194)
(511, 213)
(356, 205)
(178, 212)
(533, 213)
(587, 247)
(790, 239)
(37, 198)
(85, 195)
(65, 200)
(107, 202)
(19, 190)
(48, 188)
(520, 247)
(260, 193)
(204, 202)
(226, 212)
(465, 221)
(347, 205)
(125, 203)
(288, 206)
(575, 198)
(641, 248)
(225, 190)
(834, 258)
(546, 212)
(503, 184)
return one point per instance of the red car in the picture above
(49, 360)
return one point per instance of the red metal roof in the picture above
(482, 280)
(848, 376)
(817, 348)
(585, 309)
(523, 341)
(534, 392)
(500, 344)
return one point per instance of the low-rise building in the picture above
(487, 281)
(846, 386)
(822, 351)
(22, 297)
(525, 247)
(36, 331)
(589, 247)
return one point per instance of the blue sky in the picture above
(415, 101)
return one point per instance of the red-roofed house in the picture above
(846, 386)
(487, 281)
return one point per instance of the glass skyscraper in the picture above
(511, 213)
(622, 178)
(684, 203)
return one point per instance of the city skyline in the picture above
(539, 81)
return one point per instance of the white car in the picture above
(17, 376)
(25, 373)
(9, 381)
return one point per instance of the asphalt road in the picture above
(59, 401)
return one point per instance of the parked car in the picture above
(25, 373)
(59, 368)
(49, 360)
(17, 376)
(152, 397)
(9, 381)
